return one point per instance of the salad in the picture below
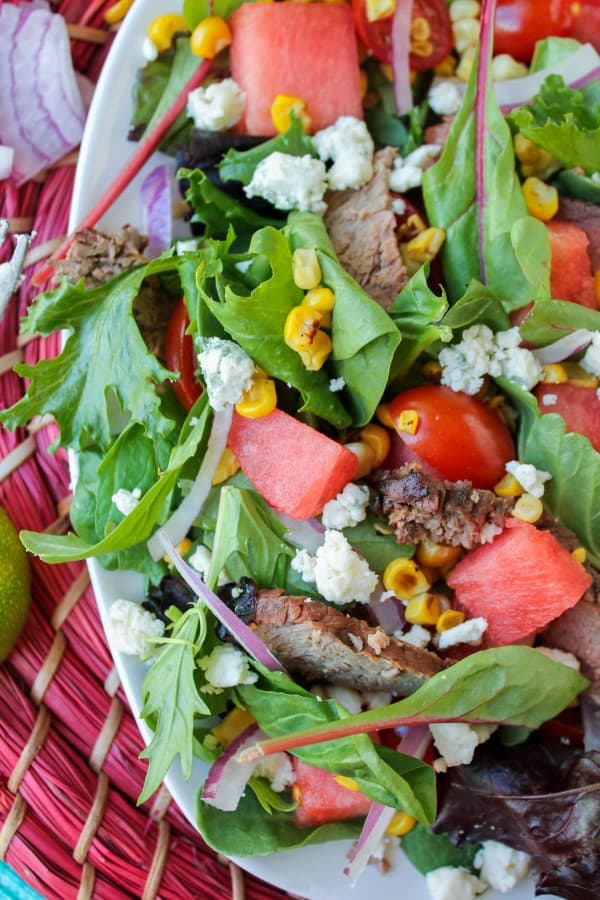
(348, 433)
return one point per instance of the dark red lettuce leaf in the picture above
(542, 798)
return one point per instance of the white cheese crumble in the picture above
(502, 867)
(304, 563)
(531, 479)
(132, 627)
(226, 666)
(348, 508)
(126, 501)
(228, 371)
(277, 769)
(416, 636)
(469, 632)
(591, 358)
(346, 697)
(445, 98)
(337, 384)
(408, 172)
(453, 883)
(350, 146)
(560, 656)
(423, 157)
(290, 182)
(189, 246)
(456, 741)
(480, 352)
(398, 206)
(341, 575)
(149, 50)
(549, 399)
(218, 106)
(201, 560)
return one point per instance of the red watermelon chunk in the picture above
(305, 50)
(296, 468)
(519, 582)
(571, 267)
(322, 799)
(579, 406)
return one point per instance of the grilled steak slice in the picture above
(97, 257)
(419, 507)
(362, 228)
(323, 644)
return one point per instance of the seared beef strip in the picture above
(362, 228)
(587, 216)
(420, 507)
(323, 644)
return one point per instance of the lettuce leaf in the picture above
(239, 165)
(217, 211)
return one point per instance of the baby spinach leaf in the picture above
(477, 306)
(183, 67)
(239, 165)
(217, 211)
(417, 312)
(378, 549)
(427, 851)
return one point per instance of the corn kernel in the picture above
(259, 400)
(182, 548)
(450, 618)
(425, 246)
(383, 415)
(420, 29)
(348, 783)
(597, 286)
(410, 227)
(541, 198)
(401, 824)
(314, 358)
(420, 48)
(446, 67)
(579, 376)
(228, 466)
(364, 84)
(282, 108)
(528, 508)
(236, 721)
(463, 69)
(423, 610)
(436, 556)
(387, 71)
(162, 29)
(306, 270)
(117, 11)
(464, 9)
(210, 36)
(432, 370)
(320, 298)
(553, 373)
(378, 439)
(404, 577)
(505, 67)
(579, 554)
(466, 34)
(301, 327)
(534, 160)
(379, 9)
(407, 421)
(508, 486)
(365, 456)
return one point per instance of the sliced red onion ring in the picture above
(564, 347)
(306, 534)
(41, 111)
(178, 525)
(401, 23)
(415, 741)
(243, 634)
(156, 218)
(227, 777)
(577, 70)
(388, 611)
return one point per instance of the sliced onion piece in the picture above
(388, 611)
(227, 777)
(41, 111)
(243, 634)
(376, 823)
(156, 214)
(306, 534)
(415, 741)
(177, 527)
(577, 70)
(401, 23)
(564, 347)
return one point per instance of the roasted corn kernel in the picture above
(579, 376)
(401, 824)
(541, 199)
(508, 486)
(162, 29)
(436, 556)
(463, 69)
(579, 554)
(449, 618)
(365, 456)
(232, 726)
(117, 11)
(553, 373)
(349, 783)
(528, 508)
(379, 9)
(432, 370)
(182, 548)
(423, 610)
(228, 466)
(322, 299)
(466, 34)
(210, 36)
(378, 439)
(425, 246)
(282, 108)
(314, 358)
(404, 577)
(407, 421)
(259, 400)
(504, 67)
(464, 9)
(301, 327)
(383, 415)
(306, 270)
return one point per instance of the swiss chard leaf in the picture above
(217, 211)
(239, 165)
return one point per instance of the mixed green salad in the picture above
(230, 467)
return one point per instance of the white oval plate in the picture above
(312, 872)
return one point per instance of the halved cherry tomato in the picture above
(376, 36)
(587, 23)
(520, 23)
(181, 358)
(458, 435)
(579, 406)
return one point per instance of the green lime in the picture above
(14, 585)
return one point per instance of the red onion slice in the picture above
(178, 525)
(401, 23)
(564, 347)
(243, 634)
(227, 777)
(388, 611)
(306, 534)
(156, 213)
(577, 70)
(41, 111)
(376, 823)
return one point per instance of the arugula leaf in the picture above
(249, 832)
(217, 211)
(561, 121)
(183, 67)
(269, 799)
(171, 700)
(417, 312)
(239, 165)
(76, 386)
(248, 540)
(427, 851)
(551, 319)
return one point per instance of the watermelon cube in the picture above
(519, 582)
(571, 266)
(322, 799)
(304, 50)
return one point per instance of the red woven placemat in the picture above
(69, 767)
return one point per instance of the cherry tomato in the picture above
(377, 36)
(520, 23)
(458, 435)
(181, 358)
(579, 407)
(587, 23)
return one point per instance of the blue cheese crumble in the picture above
(500, 866)
(348, 508)
(453, 883)
(480, 352)
(218, 106)
(290, 182)
(226, 667)
(591, 358)
(341, 575)
(348, 143)
(126, 501)
(227, 370)
(531, 479)
(133, 628)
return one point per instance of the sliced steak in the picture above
(97, 257)
(362, 228)
(420, 507)
(587, 216)
(577, 631)
(323, 644)
(438, 134)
